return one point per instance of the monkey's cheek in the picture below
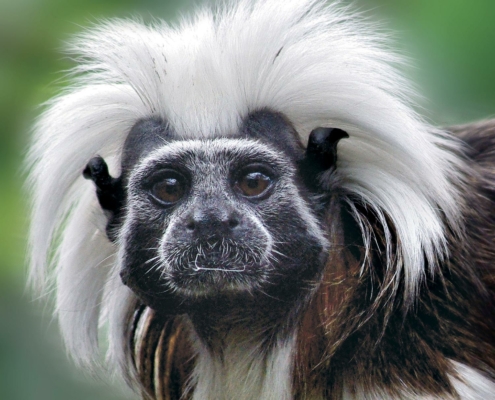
(150, 289)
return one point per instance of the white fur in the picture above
(244, 372)
(471, 384)
(313, 62)
(80, 289)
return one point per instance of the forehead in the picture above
(214, 155)
(155, 134)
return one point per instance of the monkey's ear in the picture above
(109, 191)
(322, 147)
(321, 154)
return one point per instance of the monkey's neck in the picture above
(262, 322)
(244, 349)
(243, 369)
(246, 353)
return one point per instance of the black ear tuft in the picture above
(97, 171)
(322, 147)
(321, 154)
(109, 191)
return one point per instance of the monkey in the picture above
(248, 206)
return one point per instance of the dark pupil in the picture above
(168, 190)
(254, 183)
(171, 185)
(253, 180)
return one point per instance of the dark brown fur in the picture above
(356, 331)
(161, 350)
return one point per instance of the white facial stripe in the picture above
(210, 150)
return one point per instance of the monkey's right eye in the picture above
(168, 187)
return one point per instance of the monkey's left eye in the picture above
(169, 187)
(253, 184)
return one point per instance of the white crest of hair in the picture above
(67, 136)
(243, 371)
(85, 257)
(311, 61)
(90, 292)
(119, 301)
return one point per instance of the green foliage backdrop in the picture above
(451, 45)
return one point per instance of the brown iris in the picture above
(253, 184)
(169, 189)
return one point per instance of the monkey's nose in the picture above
(203, 222)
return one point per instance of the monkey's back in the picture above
(479, 214)
(480, 202)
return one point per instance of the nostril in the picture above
(124, 276)
(233, 222)
(191, 226)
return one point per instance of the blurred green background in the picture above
(452, 47)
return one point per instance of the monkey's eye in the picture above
(253, 183)
(169, 187)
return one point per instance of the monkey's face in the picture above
(218, 217)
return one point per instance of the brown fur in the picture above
(162, 356)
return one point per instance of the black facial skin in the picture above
(214, 247)
(319, 156)
(211, 222)
(145, 136)
(273, 128)
(209, 233)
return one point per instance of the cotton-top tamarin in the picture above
(264, 215)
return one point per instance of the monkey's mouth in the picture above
(212, 266)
